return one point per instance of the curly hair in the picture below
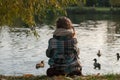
(64, 22)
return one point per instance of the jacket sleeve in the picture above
(49, 51)
(77, 50)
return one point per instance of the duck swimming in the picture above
(40, 65)
(99, 53)
(96, 65)
(118, 56)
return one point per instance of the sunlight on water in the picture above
(19, 54)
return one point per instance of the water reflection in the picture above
(101, 37)
(113, 30)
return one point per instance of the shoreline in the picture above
(93, 10)
(44, 77)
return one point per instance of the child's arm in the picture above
(49, 51)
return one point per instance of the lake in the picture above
(19, 52)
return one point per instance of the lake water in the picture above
(20, 53)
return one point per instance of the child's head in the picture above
(65, 23)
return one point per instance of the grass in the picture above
(44, 77)
(97, 8)
(93, 10)
(102, 9)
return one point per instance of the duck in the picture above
(118, 56)
(99, 53)
(96, 65)
(40, 65)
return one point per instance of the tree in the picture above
(82, 2)
(91, 2)
(25, 11)
(115, 2)
(103, 3)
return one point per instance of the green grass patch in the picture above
(102, 9)
(98, 8)
(44, 77)
(93, 10)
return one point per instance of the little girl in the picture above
(63, 51)
(64, 28)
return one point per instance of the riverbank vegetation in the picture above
(89, 77)
(31, 12)
(93, 10)
(27, 12)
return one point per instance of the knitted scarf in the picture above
(63, 32)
